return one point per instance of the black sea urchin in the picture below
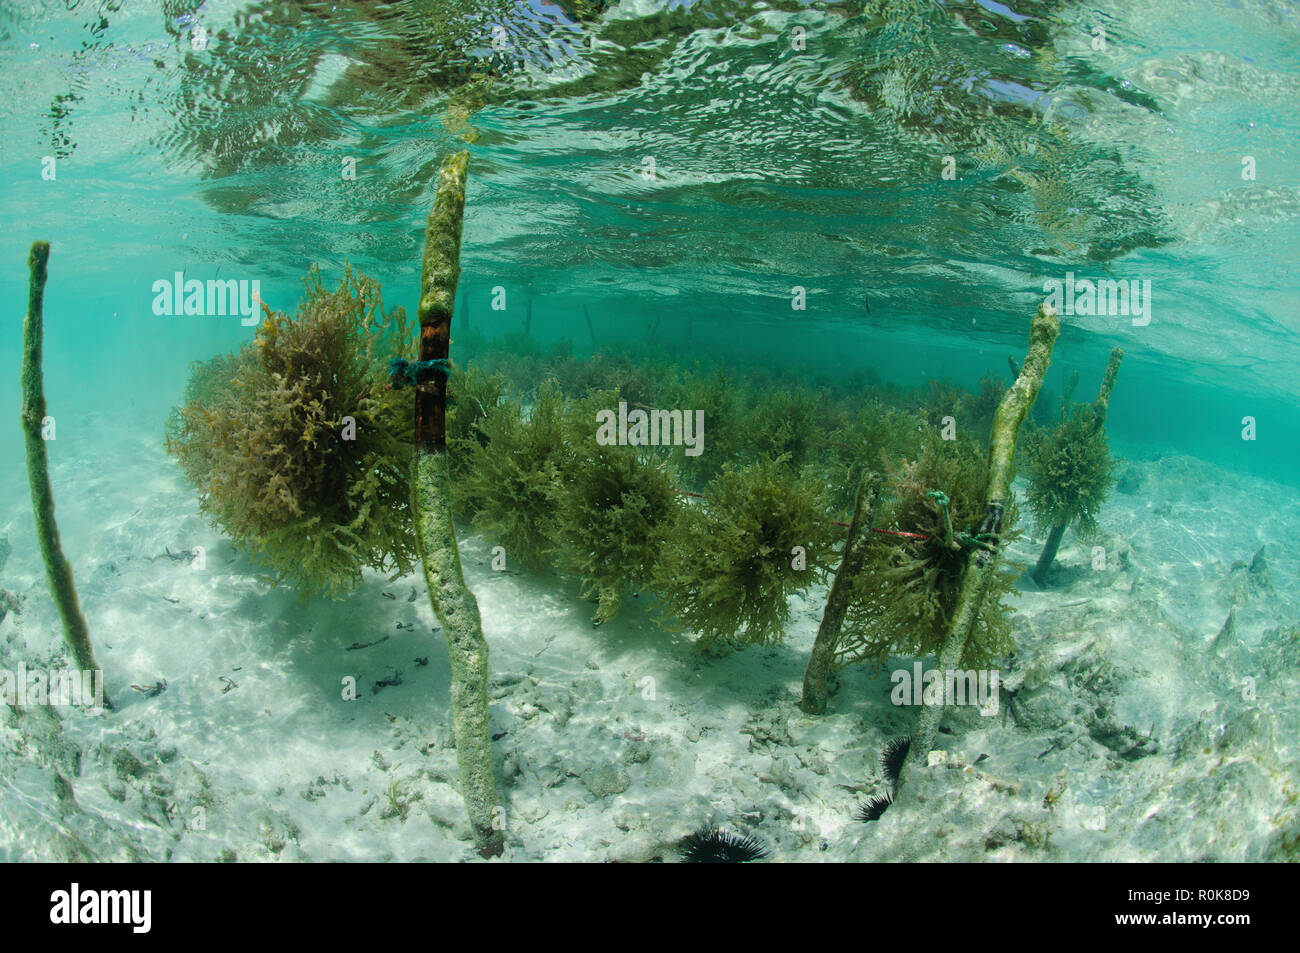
(892, 757)
(873, 807)
(712, 846)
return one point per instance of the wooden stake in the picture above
(865, 511)
(453, 602)
(440, 274)
(58, 573)
(982, 563)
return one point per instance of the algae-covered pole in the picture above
(438, 279)
(1102, 404)
(57, 571)
(1100, 407)
(981, 566)
(815, 693)
(453, 603)
(1048, 556)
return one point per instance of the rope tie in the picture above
(985, 541)
(403, 373)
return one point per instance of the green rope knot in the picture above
(951, 540)
(985, 541)
(942, 499)
(404, 373)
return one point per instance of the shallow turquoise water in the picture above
(773, 167)
(674, 170)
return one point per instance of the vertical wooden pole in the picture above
(58, 573)
(453, 602)
(1102, 404)
(865, 510)
(439, 276)
(983, 563)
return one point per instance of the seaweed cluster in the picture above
(614, 506)
(472, 395)
(784, 460)
(615, 517)
(1070, 470)
(760, 535)
(718, 541)
(507, 461)
(831, 427)
(533, 476)
(299, 449)
(904, 597)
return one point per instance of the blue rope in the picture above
(403, 373)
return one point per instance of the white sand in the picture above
(595, 765)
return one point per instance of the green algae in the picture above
(58, 571)
(511, 472)
(613, 507)
(297, 445)
(452, 601)
(1070, 471)
(760, 535)
(905, 597)
(457, 610)
(983, 578)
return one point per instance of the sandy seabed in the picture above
(1131, 725)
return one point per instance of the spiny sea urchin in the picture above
(892, 757)
(713, 846)
(873, 807)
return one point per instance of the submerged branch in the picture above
(982, 563)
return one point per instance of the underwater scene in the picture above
(650, 431)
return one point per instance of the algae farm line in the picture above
(650, 431)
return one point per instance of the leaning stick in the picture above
(865, 510)
(58, 572)
(1100, 406)
(452, 601)
(983, 563)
